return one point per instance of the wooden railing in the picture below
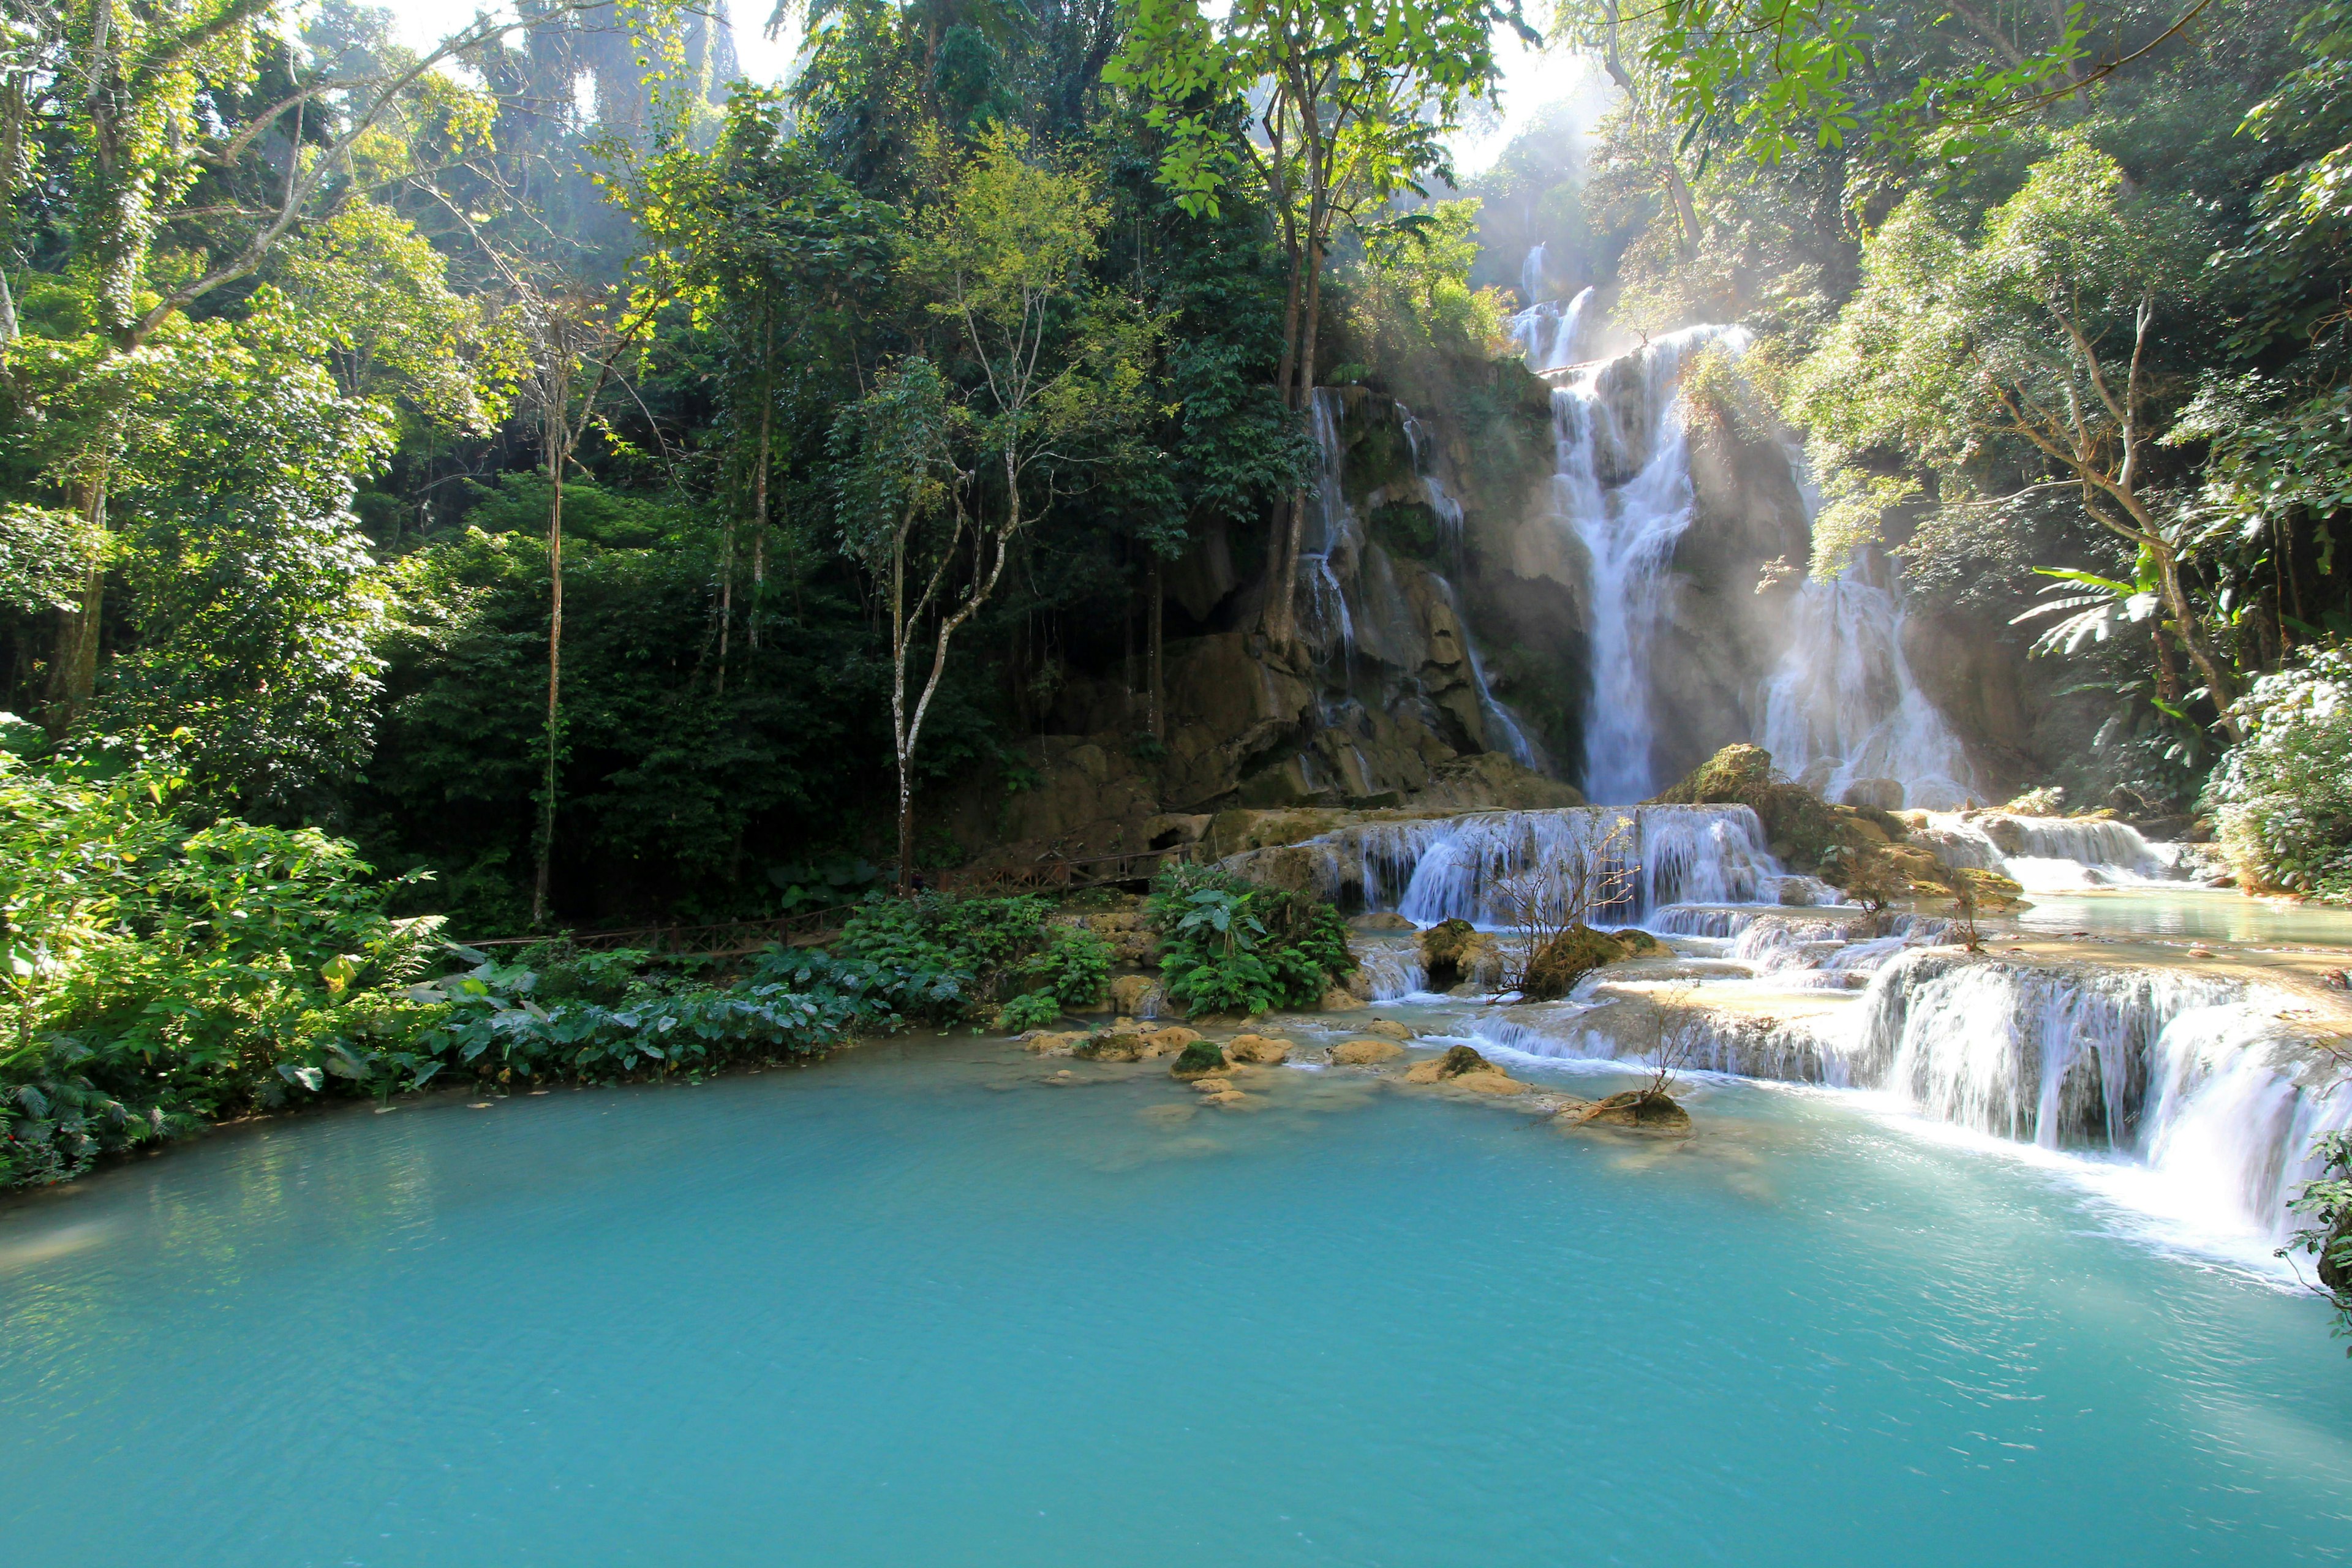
(723, 940)
(1054, 873)
(1047, 873)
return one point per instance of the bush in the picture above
(1033, 1010)
(2326, 1202)
(1230, 945)
(2282, 798)
(966, 953)
(159, 976)
(1073, 967)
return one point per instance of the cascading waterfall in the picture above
(1629, 532)
(1550, 336)
(1502, 725)
(2045, 854)
(2184, 1072)
(1843, 705)
(1454, 867)
(1332, 542)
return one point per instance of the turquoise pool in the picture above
(918, 1307)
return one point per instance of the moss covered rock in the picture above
(1199, 1058)
(1641, 1109)
(1567, 959)
(1445, 947)
(1639, 943)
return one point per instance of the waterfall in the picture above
(1501, 722)
(1608, 418)
(1550, 336)
(2186, 1073)
(1454, 867)
(1332, 542)
(2045, 854)
(1843, 705)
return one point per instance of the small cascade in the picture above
(1626, 415)
(1502, 725)
(1551, 335)
(2209, 1091)
(1843, 705)
(1454, 867)
(1388, 971)
(1332, 540)
(2046, 854)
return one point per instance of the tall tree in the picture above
(1321, 109)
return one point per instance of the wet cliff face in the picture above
(1727, 618)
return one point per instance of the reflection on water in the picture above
(2197, 913)
(922, 1305)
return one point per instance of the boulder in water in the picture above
(1450, 951)
(1338, 999)
(1389, 1028)
(1198, 1059)
(1567, 959)
(1879, 794)
(1258, 1050)
(1456, 1061)
(1380, 919)
(1641, 1109)
(1365, 1052)
(1639, 943)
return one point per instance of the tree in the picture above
(2024, 360)
(1322, 108)
(1054, 378)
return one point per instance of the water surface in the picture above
(917, 1307)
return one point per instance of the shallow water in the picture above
(2199, 914)
(914, 1306)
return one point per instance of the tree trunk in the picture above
(1156, 636)
(556, 455)
(760, 528)
(1282, 593)
(2190, 630)
(73, 660)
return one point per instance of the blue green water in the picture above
(916, 1307)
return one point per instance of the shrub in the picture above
(965, 954)
(2326, 1202)
(2282, 798)
(1074, 967)
(1230, 945)
(1032, 1010)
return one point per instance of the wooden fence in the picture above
(1047, 873)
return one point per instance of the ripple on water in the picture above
(916, 1307)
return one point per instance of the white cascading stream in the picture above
(1628, 532)
(1332, 542)
(1843, 704)
(2207, 1089)
(1452, 867)
(2047, 854)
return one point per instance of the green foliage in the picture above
(2326, 1202)
(2282, 798)
(967, 954)
(1030, 1010)
(1232, 946)
(1075, 965)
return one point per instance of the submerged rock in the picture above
(1567, 959)
(1365, 1052)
